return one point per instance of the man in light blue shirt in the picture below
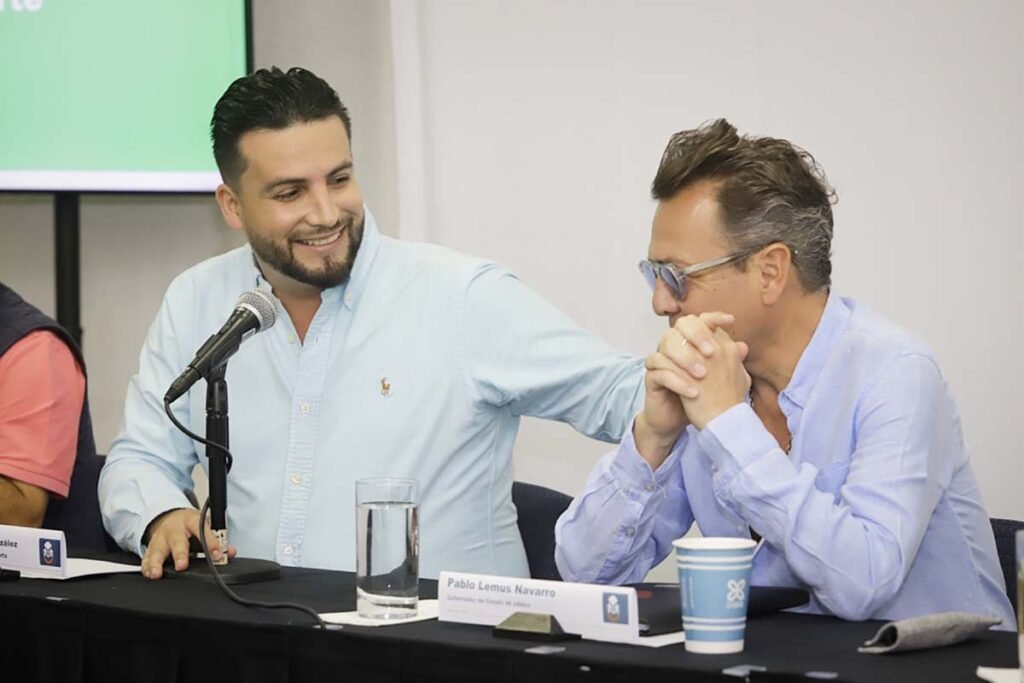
(776, 409)
(388, 359)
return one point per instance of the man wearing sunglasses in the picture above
(777, 409)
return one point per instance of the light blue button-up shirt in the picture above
(420, 366)
(875, 510)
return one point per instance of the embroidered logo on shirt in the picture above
(385, 387)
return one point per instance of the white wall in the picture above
(541, 125)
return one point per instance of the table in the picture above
(125, 628)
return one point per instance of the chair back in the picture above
(1005, 531)
(539, 508)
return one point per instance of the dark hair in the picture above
(769, 190)
(269, 99)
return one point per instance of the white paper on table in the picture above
(997, 675)
(78, 567)
(664, 639)
(425, 609)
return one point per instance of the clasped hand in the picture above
(695, 375)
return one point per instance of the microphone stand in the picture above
(217, 433)
(238, 570)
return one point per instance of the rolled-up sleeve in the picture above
(625, 520)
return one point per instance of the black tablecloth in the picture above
(125, 628)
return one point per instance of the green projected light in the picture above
(114, 95)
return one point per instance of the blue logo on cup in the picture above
(49, 552)
(616, 608)
(736, 598)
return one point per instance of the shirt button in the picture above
(288, 550)
(296, 478)
(304, 408)
(649, 487)
(348, 299)
(629, 531)
(292, 338)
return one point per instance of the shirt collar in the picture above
(364, 260)
(812, 360)
(350, 291)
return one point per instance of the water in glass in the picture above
(388, 559)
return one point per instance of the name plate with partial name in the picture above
(594, 612)
(35, 550)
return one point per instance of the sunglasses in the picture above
(674, 277)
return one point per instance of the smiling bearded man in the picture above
(390, 359)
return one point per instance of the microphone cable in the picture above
(206, 551)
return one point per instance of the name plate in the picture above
(594, 612)
(36, 550)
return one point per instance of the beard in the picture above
(331, 273)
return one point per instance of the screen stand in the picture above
(67, 259)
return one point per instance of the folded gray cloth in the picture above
(932, 630)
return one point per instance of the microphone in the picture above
(253, 313)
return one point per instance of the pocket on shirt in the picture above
(832, 477)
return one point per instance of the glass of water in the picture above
(387, 548)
